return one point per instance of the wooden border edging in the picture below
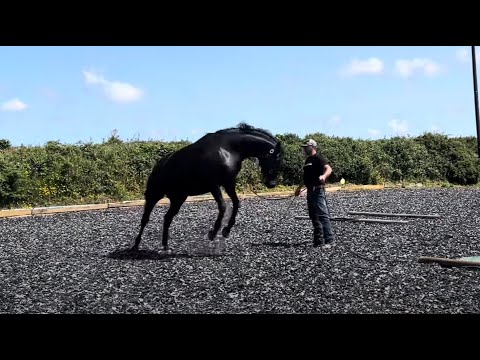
(274, 195)
(126, 203)
(363, 187)
(68, 208)
(15, 212)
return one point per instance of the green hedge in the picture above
(116, 170)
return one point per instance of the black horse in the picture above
(204, 166)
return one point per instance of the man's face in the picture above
(308, 150)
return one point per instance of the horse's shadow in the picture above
(128, 254)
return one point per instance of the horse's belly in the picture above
(191, 187)
(198, 179)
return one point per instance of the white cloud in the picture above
(435, 129)
(155, 133)
(407, 68)
(371, 66)
(399, 127)
(335, 120)
(14, 105)
(373, 132)
(92, 78)
(117, 91)
(165, 133)
(123, 92)
(197, 131)
(463, 55)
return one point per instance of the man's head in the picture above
(310, 147)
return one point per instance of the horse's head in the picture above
(271, 164)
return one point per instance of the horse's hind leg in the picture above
(149, 205)
(175, 205)
(217, 194)
(230, 190)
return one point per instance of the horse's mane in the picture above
(244, 127)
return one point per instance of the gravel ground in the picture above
(77, 263)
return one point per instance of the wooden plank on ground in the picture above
(466, 261)
(382, 221)
(433, 216)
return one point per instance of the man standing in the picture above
(316, 171)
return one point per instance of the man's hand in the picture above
(323, 178)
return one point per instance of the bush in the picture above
(463, 167)
(453, 160)
(10, 182)
(118, 170)
(5, 144)
(409, 159)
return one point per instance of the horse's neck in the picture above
(253, 146)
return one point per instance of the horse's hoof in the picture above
(225, 232)
(211, 235)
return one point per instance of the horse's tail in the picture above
(154, 187)
(161, 163)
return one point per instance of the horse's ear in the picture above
(278, 147)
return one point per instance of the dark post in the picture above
(474, 65)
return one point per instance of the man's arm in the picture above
(328, 171)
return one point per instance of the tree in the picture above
(5, 144)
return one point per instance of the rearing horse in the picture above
(204, 166)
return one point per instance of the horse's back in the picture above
(199, 160)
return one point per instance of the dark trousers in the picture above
(319, 214)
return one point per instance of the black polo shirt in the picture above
(313, 168)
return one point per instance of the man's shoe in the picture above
(329, 245)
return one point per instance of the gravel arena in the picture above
(77, 263)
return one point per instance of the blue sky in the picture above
(75, 94)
